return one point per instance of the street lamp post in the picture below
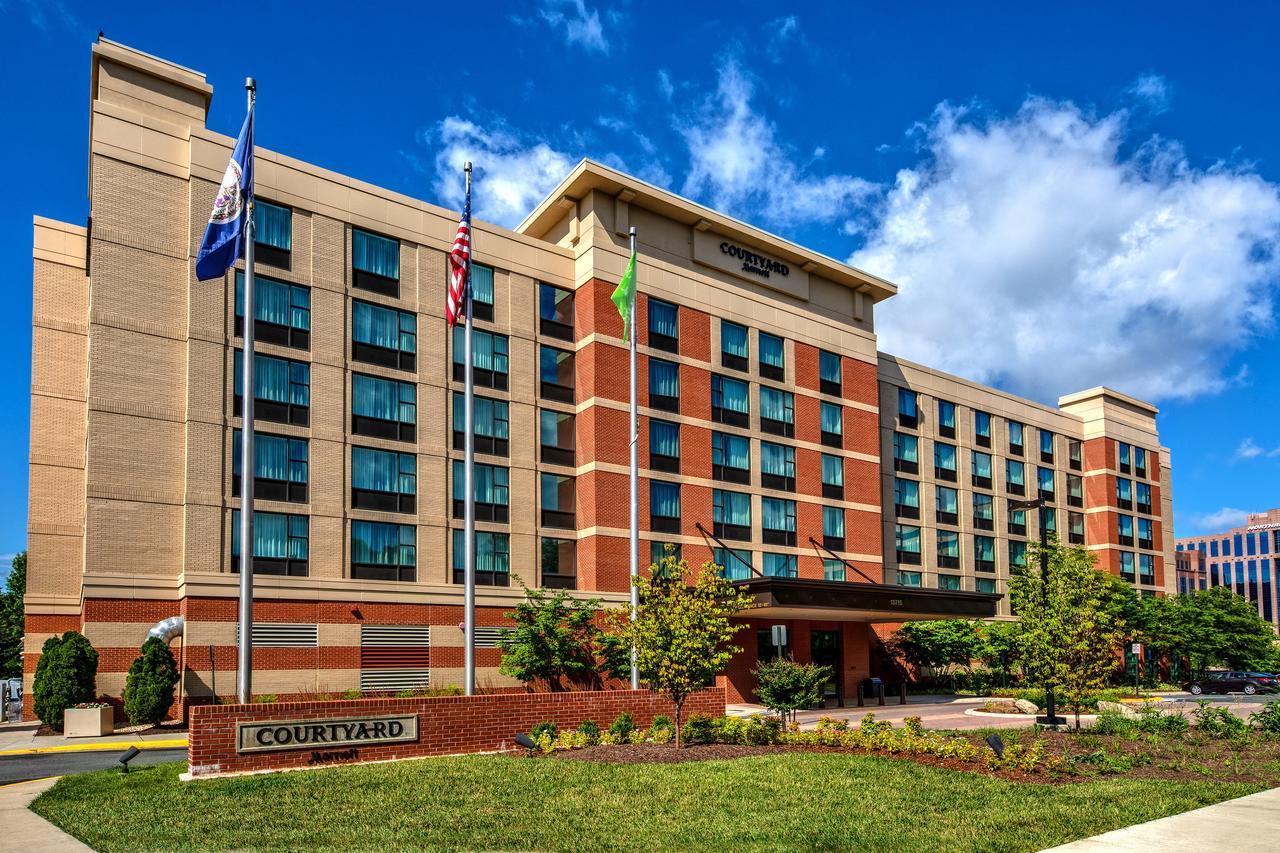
(1050, 717)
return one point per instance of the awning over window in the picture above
(839, 601)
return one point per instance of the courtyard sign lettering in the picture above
(754, 262)
(745, 262)
(274, 735)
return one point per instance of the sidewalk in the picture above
(21, 739)
(1246, 825)
(24, 829)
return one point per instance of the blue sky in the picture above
(1067, 198)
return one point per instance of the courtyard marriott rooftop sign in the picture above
(724, 254)
(272, 735)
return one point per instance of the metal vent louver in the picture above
(276, 635)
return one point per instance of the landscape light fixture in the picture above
(997, 745)
(127, 756)
(524, 740)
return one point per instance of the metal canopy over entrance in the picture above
(840, 601)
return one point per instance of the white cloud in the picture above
(581, 25)
(1030, 252)
(1153, 90)
(738, 165)
(1219, 520)
(664, 84)
(41, 13)
(1250, 449)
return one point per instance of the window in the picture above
(383, 336)
(1145, 539)
(1075, 491)
(279, 543)
(559, 563)
(833, 570)
(777, 412)
(272, 233)
(1016, 438)
(281, 389)
(664, 385)
(1048, 520)
(730, 458)
(1075, 528)
(1139, 462)
(1015, 477)
(906, 453)
(778, 521)
(1147, 573)
(986, 585)
(780, 565)
(949, 582)
(729, 401)
(664, 446)
(383, 408)
(555, 312)
(555, 374)
(1126, 454)
(558, 500)
(908, 415)
(1124, 493)
(909, 579)
(944, 461)
(831, 422)
(663, 329)
(981, 467)
(948, 505)
(906, 498)
(279, 467)
(664, 506)
(982, 428)
(829, 373)
(735, 564)
(1046, 446)
(375, 263)
(658, 552)
(1017, 522)
(383, 480)
(482, 292)
(1017, 554)
(491, 422)
(946, 419)
(833, 528)
(556, 437)
(907, 541)
(1075, 455)
(491, 488)
(1044, 482)
(773, 363)
(734, 353)
(281, 312)
(731, 514)
(1144, 498)
(493, 558)
(984, 553)
(1126, 566)
(777, 466)
(1124, 527)
(489, 361)
(948, 549)
(383, 552)
(983, 512)
(832, 477)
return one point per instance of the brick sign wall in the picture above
(447, 725)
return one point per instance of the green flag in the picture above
(624, 296)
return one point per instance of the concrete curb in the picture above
(121, 745)
(26, 830)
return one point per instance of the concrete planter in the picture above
(88, 722)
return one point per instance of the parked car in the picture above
(1248, 683)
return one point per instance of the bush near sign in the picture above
(274, 735)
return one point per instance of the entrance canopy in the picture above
(840, 601)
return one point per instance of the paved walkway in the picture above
(21, 739)
(936, 712)
(1247, 825)
(25, 830)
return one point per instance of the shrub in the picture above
(1267, 719)
(65, 676)
(699, 728)
(590, 731)
(1113, 723)
(661, 734)
(785, 686)
(621, 727)
(351, 694)
(1153, 722)
(546, 727)
(266, 698)
(149, 687)
(1218, 722)
(407, 693)
(760, 731)
(661, 721)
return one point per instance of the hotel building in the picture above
(846, 488)
(1241, 559)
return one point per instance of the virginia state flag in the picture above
(224, 237)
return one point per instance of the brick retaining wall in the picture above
(447, 725)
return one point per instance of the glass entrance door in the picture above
(824, 649)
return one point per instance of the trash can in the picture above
(875, 686)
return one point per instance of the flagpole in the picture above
(635, 476)
(244, 651)
(468, 481)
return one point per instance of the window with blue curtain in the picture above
(664, 378)
(277, 380)
(1126, 566)
(735, 563)
(1147, 570)
(1015, 434)
(985, 585)
(1144, 494)
(832, 470)
(731, 508)
(491, 483)
(982, 424)
(944, 456)
(276, 302)
(272, 225)
(664, 499)
(1144, 532)
(731, 451)
(984, 549)
(777, 405)
(384, 471)
(771, 351)
(493, 552)
(1017, 553)
(1014, 473)
(482, 284)
(730, 394)
(831, 417)
(833, 570)
(778, 514)
(946, 414)
(1044, 479)
(948, 582)
(374, 543)
(733, 339)
(1124, 453)
(1046, 442)
(374, 254)
(948, 500)
(906, 448)
(488, 351)
(833, 522)
(906, 493)
(777, 459)
(1139, 458)
(983, 507)
(664, 438)
(907, 403)
(1126, 525)
(662, 318)
(276, 536)
(383, 327)
(981, 464)
(384, 399)
(948, 544)
(828, 367)
(490, 416)
(780, 565)
(275, 457)
(907, 539)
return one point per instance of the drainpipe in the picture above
(167, 629)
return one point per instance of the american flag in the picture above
(459, 262)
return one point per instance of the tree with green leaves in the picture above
(12, 618)
(998, 645)
(66, 675)
(682, 632)
(1068, 637)
(1213, 627)
(940, 645)
(557, 638)
(150, 685)
(785, 686)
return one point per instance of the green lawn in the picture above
(774, 802)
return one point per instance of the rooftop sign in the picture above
(729, 256)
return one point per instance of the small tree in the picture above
(65, 676)
(556, 636)
(682, 631)
(940, 645)
(11, 619)
(150, 685)
(785, 686)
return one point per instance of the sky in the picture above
(1066, 197)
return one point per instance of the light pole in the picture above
(1050, 717)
